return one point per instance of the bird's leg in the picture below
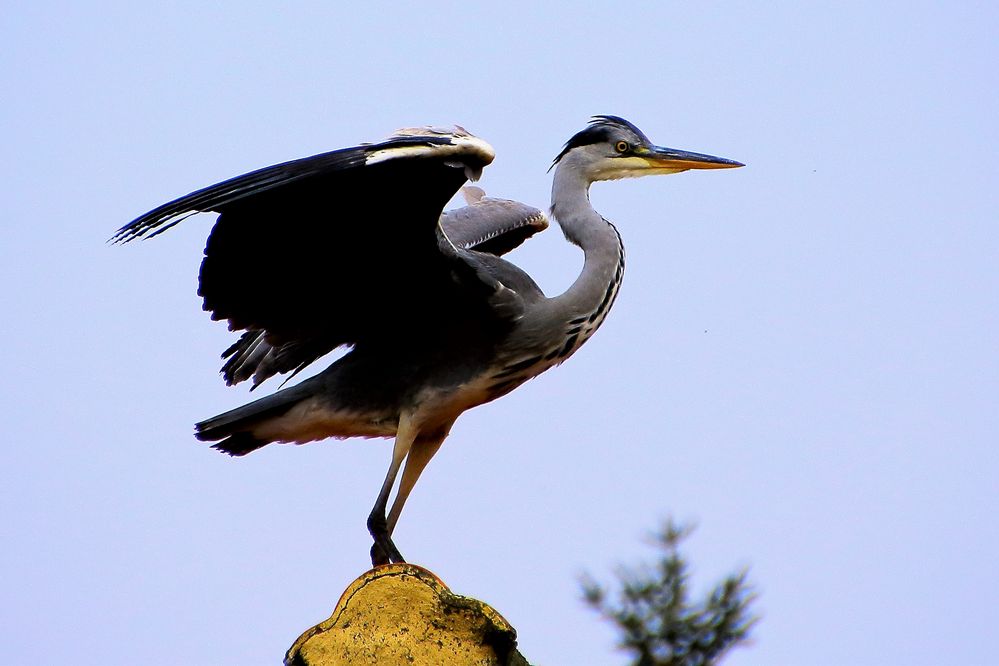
(419, 455)
(384, 551)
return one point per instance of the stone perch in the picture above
(403, 614)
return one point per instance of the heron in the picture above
(352, 250)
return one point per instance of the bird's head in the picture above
(610, 147)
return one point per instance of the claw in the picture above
(385, 553)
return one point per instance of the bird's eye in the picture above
(621, 146)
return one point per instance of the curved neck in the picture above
(594, 290)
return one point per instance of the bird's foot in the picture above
(383, 551)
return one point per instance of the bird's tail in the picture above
(232, 431)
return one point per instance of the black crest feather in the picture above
(598, 131)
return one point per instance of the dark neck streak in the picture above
(560, 325)
(589, 298)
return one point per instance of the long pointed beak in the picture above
(670, 158)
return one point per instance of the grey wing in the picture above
(494, 226)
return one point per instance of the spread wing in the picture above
(342, 248)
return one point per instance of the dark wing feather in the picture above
(339, 248)
(490, 225)
(295, 260)
(256, 182)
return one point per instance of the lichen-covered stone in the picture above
(403, 614)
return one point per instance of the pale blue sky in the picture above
(802, 359)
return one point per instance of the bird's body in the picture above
(436, 321)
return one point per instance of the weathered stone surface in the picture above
(403, 614)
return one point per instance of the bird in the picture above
(352, 250)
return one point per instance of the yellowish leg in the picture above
(384, 551)
(419, 455)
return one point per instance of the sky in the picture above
(802, 360)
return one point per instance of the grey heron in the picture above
(350, 249)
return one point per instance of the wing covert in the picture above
(491, 225)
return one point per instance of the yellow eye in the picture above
(621, 146)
